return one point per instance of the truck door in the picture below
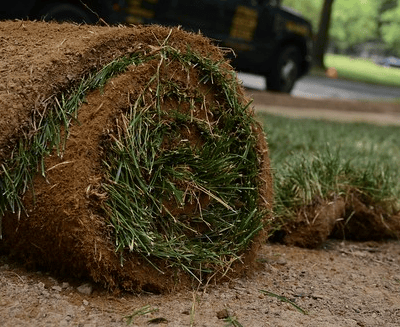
(268, 30)
(241, 18)
(16, 9)
(195, 15)
(251, 32)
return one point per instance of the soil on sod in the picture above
(65, 226)
(348, 218)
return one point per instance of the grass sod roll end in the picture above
(333, 180)
(182, 177)
(146, 173)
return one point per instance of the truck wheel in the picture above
(285, 72)
(63, 11)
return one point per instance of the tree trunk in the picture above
(323, 35)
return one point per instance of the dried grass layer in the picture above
(154, 172)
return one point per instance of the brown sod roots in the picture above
(344, 218)
(128, 155)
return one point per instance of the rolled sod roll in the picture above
(129, 155)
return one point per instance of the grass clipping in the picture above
(183, 182)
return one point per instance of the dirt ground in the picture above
(382, 113)
(341, 284)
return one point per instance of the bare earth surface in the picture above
(342, 284)
(383, 113)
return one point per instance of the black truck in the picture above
(267, 38)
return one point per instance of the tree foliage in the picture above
(356, 21)
(390, 29)
(310, 9)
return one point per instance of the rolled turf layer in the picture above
(140, 171)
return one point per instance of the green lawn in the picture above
(363, 70)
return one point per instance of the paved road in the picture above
(322, 88)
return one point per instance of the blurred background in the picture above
(358, 28)
(360, 39)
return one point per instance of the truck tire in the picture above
(285, 72)
(64, 11)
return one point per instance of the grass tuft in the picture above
(284, 299)
(139, 312)
(232, 321)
